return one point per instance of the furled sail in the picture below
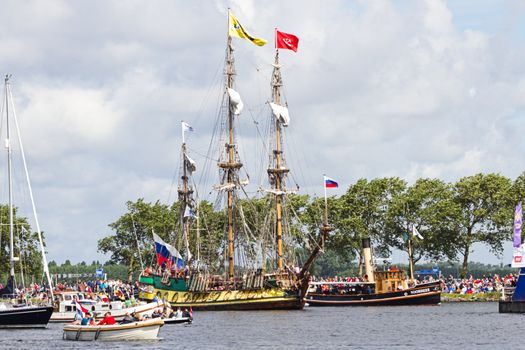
(281, 113)
(191, 166)
(235, 101)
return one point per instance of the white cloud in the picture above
(377, 88)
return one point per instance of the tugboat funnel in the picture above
(367, 256)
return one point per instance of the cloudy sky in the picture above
(405, 88)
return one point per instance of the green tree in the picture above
(427, 205)
(26, 246)
(363, 211)
(484, 213)
(133, 233)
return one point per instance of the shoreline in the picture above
(462, 298)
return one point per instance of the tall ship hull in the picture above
(25, 317)
(177, 294)
(423, 294)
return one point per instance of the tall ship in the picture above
(275, 284)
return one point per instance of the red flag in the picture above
(286, 41)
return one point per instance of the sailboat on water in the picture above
(13, 314)
(249, 289)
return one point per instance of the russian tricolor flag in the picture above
(330, 183)
(167, 255)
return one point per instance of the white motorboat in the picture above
(139, 330)
(65, 310)
(176, 320)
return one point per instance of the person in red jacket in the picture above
(108, 319)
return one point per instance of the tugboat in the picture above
(389, 287)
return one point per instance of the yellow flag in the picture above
(236, 29)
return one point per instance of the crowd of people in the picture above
(471, 285)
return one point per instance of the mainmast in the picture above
(278, 172)
(230, 165)
(10, 182)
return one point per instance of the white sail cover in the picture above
(281, 113)
(235, 101)
(191, 166)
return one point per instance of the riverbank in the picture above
(452, 298)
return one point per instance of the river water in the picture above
(448, 326)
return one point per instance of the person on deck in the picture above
(86, 320)
(108, 319)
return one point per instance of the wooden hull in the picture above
(268, 299)
(25, 317)
(426, 294)
(143, 330)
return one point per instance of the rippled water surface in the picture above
(449, 326)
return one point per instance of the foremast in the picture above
(229, 162)
(277, 171)
(185, 192)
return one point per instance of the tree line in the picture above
(450, 216)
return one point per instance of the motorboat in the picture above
(65, 308)
(139, 330)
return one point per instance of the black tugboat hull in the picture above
(428, 294)
(512, 307)
(25, 317)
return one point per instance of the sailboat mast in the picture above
(278, 172)
(10, 182)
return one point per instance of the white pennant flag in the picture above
(416, 233)
(188, 212)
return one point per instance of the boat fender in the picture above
(93, 308)
(77, 335)
(63, 335)
(97, 334)
(175, 297)
(227, 295)
(110, 307)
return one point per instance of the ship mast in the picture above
(185, 193)
(230, 165)
(278, 172)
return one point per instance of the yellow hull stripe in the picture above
(218, 297)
